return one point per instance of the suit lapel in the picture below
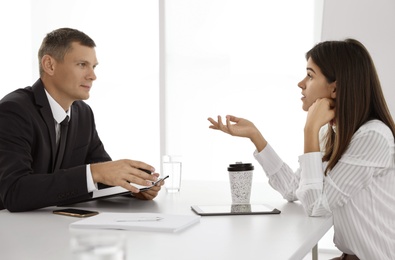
(46, 113)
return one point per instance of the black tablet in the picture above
(235, 209)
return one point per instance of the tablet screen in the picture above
(236, 209)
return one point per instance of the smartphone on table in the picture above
(79, 213)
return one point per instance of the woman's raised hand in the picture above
(241, 127)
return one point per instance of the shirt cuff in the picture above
(91, 186)
(269, 160)
(312, 168)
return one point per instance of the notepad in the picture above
(111, 191)
(138, 221)
(117, 190)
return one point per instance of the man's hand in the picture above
(124, 173)
(151, 193)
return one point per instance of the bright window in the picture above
(243, 58)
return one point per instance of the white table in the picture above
(290, 235)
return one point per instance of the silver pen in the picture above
(142, 219)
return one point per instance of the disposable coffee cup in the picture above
(240, 177)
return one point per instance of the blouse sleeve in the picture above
(370, 150)
(281, 176)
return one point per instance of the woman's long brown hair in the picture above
(359, 97)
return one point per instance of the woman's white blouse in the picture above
(359, 191)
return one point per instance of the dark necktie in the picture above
(62, 142)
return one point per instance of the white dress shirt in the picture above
(59, 115)
(359, 191)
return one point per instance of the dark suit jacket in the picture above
(28, 179)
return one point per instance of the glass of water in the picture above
(172, 166)
(102, 246)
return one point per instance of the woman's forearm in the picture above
(311, 140)
(259, 141)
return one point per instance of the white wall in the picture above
(15, 45)
(372, 23)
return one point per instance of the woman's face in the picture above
(315, 86)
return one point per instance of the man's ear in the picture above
(48, 64)
(332, 88)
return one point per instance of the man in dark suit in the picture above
(35, 170)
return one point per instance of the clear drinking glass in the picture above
(172, 166)
(100, 246)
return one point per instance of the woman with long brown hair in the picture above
(348, 166)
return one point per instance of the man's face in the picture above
(73, 77)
